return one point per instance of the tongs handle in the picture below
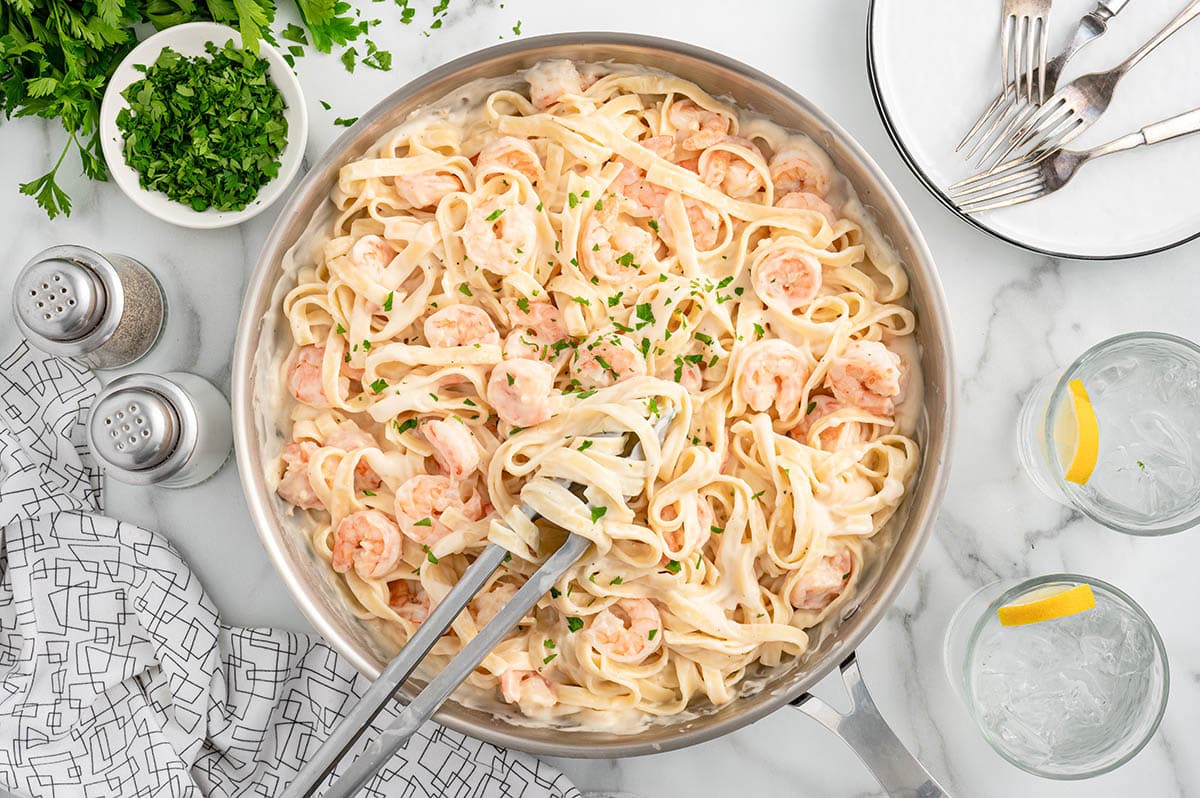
(380, 750)
(358, 719)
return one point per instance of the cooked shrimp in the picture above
(606, 359)
(367, 541)
(805, 201)
(816, 589)
(349, 437)
(628, 631)
(485, 606)
(304, 377)
(520, 391)
(500, 237)
(460, 325)
(698, 128)
(534, 326)
(295, 488)
(509, 153)
(550, 80)
(372, 253)
(867, 375)
(662, 146)
(421, 501)
(787, 279)
(526, 688)
(645, 198)
(772, 373)
(426, 189)
(794, 169)
(613, 250)
(704, 222)
(730, 172)
(837, 435)
(409, 600)
(454, 447)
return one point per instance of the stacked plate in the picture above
(934, 67)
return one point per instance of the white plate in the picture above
(189, 40)
(935, 66)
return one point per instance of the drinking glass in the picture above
(1145, 390)
(1068, 698)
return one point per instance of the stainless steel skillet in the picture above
(366, 644)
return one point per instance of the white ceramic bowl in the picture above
(189, 40)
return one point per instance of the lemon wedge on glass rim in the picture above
(1053, 603)
(1077, 434)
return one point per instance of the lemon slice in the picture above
(1057, 605)
(1077, 435)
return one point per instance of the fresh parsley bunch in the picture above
(56, 57)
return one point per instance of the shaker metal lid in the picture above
(68, 300)
(142, 429)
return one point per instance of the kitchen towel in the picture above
(117, 677)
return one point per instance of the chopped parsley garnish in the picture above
(704, 339)
(716, 530)
(599, 205)
(555, 592)
(468, 402)
(758, 495)
(387, 302)
(587, 444)
(465, 289)
(581, 300)
(548, 659)
(345, 121)
(426, 521)
(404, 427)
(510, 379)
(379, 385)
(673, 566)
(548, 643)
(650, 635)
(811, 407)
(644, 312)
(368, 493)
(523, 305)
(626, 260)
(341, 330)
(616, 580)
(598, 513)
(429, 555)
(758, 330)
(615, 299)
(574, 624)
(572, 200)
(653, 225)
(222, 162)
(494, 215)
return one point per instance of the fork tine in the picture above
(1028, 181)
(975, 184)
(997, 132)
(1042, 60)
(1004, 203)
(1061, 136)
(1004, 43)
(996, 182)
(1046, 134)
(1031, 28)
(1012, 163)
(1015, 129)
(984, 117)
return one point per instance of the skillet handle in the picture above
(869, 736)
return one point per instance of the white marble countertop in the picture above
(1016, 316)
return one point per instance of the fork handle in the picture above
(1185, 16)
(1176, 126)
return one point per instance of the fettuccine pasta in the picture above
(509, 295)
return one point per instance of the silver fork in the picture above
(1091, 26)
(1024, 179)
(1023, 28)
(1076, 106)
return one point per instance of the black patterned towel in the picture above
(117, 677)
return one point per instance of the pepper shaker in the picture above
(172, 430)
(106, 311)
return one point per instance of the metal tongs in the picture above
(376, 754)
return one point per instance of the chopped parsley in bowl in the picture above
(200, 132)
(208, 131)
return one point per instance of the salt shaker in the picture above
(172, 430)
(105, 311)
